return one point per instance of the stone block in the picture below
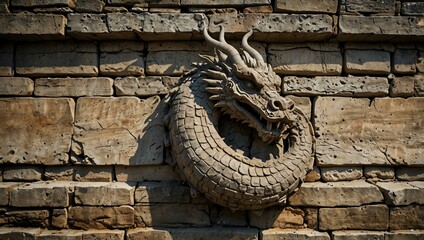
(49, 10)
(290, 234)
(368, 217)
(412, 8)
(89, 217)
(318, 194)
(386, 7)
(42, 194)
(87, 26)
(306, 59)
(32, 26)
(224, 3)
(24, 218)
(337, 86)
(300, 6)
(314, 175)
(36, 131)
(124, 25)
(402, 193)
(22, 173)
(311, 218)
(17, 86)
(402, 87)
(277, 217)
(73, 87)
(56, 59)
(19, 233)
(5, 189)
(122, 63)
(334, 174)
(379, 173)
(60, 235)
(157, 215)
(408, 217)
(419, 85)
(90, 6)
(224, 217)
(380, 28)
(6, 59)
(103, 234)
(374, 62)
(404, 235)
(410, 173)
(146, 173)
(104, 194)
(131, 137)
(275, 27)
(59, 218)
(357, 235)
(140, 86)
(148, 234)
(79, 173)
(360, 132)
(156, 192)
(42, 3)
(258, 9)
(404, 61)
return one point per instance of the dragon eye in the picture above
(248, 85)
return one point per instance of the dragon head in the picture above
(246, 88)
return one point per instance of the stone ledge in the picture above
(402, 193)
(290, 234)
(73, 87)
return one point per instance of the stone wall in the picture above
(82, 152)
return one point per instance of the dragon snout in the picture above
(281, 104)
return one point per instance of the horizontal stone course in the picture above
(104, 194)
(85, 173)
(386, 7)
(311, 6)
(22, 173)
(90, 217)
(17, 86)
(146, 173)
(140, 86)
(357, 235)
(402, 193)
(42, 3)
(24, 217)
(289, 234)
(73, 87)
(407, 217)
(5, 189)
(363, 62)
(154, 192)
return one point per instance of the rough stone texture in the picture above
(386, 7)
(17, 86)
(354, 218)
(405, 235)
(412, 8)
(306, 59)
(104, 194)
(35, 131)
(354, 193)
(338, 86)
(105, 135)
(379, 173)
(373, 62)
(87, 217)
(333, 174)
(103, 234)
(79, 173)
(402, 193)
(380, 28)
(148, 234)
(89, 6)
(419, 85)
(19, 233)
(24, 218)
(154, 192)
(60, 235)
(5, 189)
(224, 217)
(32, 26)
(402, 87)
(258, 9)
(302, 6)
(140, 86)
(275, 27)
(42, 3)
(158, 215)
(57, 59)
(314, 175)
(357, 131)
(410, 174)
(59, 218)
(409, 217)
(146, 173)
(42, 194)
(22, 173)
(124, 25)
(6, 59)
(87, 26)
(289, 234)
(73, 87)
(357, 235)
(224, 3)
(404, 61)
(311, 218)
(122, 63)
(277, 217)
(420, 61)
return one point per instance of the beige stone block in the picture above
(258, 9)
(359, 132)
(106, 135)
(404, 235)
(36, 131)
(124, 25)
(49, 10)
(368, 217)
(91, 6)
(24, 218)
(402, 87)
(374, 62)
(19, 233)
(223, 3)
(122, 63)
(87, 26)
(379, 173)
(290, 234)
(277, 217)
(5, 189)
(60, 235)
(354, 193)
(121, 46)
(56, 59)
(164, 10)
(31, 27)
(17, 86)
(162, 192)
(402, 193)
(404, 61)
(146, 173)
(368, 7)
(408, 217)
(410, 173)
(300, 6)
(171, 63)
(6, 59)
(148, 234)
(334, 174)
(73, 87)
(357, 235)
(314, 175)
(419, 85)
(42, 3)
(88, 217)
(59, 218)
(103, 234)
(79, 173)
(140, 86)
(104, 194)
(158, 215)
(22, 173)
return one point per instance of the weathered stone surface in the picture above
(360, 132)
(333, 174)
(60, 10)
(42, 3)
(419, 85)
(277, 217)
(289, 234)
(379, 173)
(19, 233)
(410, 174)
(164, 10)
(42, 194)
(122, 63)
(306, 59)
(130, 137)
(301, 6)
(6, 59)
(89, 6)
(104, 194)
(146, 173)
(386, 7)
(402, 86)
(140, 86)
(32, 26)
(369, 217)
(224, 217)
(59, 218)
(148, 234)
(412, 8)
(404, 235)
(24, 218)
(5, 189)
(275, 27)
(22, 173)
(314, 175)
(402, 193)
(409, 217)
(79, 173)
(87, 217)
(380, 28)
(373, 62)
(156, 192)
(73, 87)
(311, 218)
(404, 61)
(333, 194)
(258, 9)
(36, 131)
(158, 215)
(103, 234)
(357, 235)
(17, 86)
(224, 3)
(87, 26)
(55, 59)
(338, 86)
(60, 235)
(124, 25)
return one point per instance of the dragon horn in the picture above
(255, 54)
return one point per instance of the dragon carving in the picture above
(241, 85)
